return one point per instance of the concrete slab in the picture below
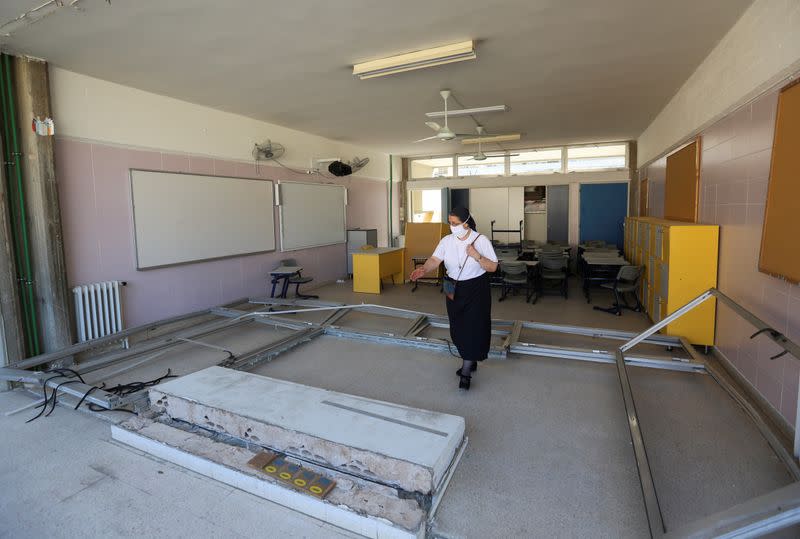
(73, 480)
(369, 510)
(396, 445)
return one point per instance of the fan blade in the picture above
(434, 126)
(424, 139)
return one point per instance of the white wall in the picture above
(95, 110)
(761, 49)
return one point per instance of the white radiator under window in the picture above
(98, 309)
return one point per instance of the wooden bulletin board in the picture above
(421, 240)
(643, 198)
(779, 253)
(682, 189)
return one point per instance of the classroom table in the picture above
(373, 265)
(283, 274)
(600, 268)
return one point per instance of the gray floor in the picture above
(549, 452)
(63, 476)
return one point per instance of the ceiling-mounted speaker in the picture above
(337, 168)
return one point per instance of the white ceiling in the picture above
(571, 70)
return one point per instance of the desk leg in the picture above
(285, 287)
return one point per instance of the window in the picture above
(545, 161)
(426, 205)
(596, 157)
(434, 167)
(495, 165)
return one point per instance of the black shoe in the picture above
(463, 382)
(473, 369)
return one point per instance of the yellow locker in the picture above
(680, 263)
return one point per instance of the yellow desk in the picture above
(369, 267)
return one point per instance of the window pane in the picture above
(536, 161)
(426, 206)
(491, 166)
(596, 157)
(438, 167)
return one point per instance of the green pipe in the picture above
(22, 214)
(6, 156)
(12, 220)
(390, 201)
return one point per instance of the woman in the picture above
(468, 258)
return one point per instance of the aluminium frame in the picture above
(771, 512)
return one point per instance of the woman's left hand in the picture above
(471, 251)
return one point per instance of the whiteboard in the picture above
(180, 218)
(312, 215)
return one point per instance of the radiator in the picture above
(98, 309)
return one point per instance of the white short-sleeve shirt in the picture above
(453, 252)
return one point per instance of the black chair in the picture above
(627, 280)
(515, 277)
(553, 272)
(296, 279)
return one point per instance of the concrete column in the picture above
(12, 346)
(53, 302)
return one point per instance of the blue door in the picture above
(603, 210)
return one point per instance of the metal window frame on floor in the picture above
(771, 512)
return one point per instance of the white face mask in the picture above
(458, 230)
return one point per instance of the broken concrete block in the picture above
(395, 445)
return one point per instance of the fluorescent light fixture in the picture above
(496, 138)
(467, 112)
(447, 54)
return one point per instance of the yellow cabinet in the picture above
(680, 263)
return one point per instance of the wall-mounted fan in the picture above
(267, 150)
(357, 163)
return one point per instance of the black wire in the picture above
(46, 398)
(101, 386)
(62, 370)
(451, 350)
(55, 395)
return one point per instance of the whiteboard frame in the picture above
(133, 218)
(279, 202)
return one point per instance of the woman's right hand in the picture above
(417, 273)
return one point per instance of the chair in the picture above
(627, 280)
(515, 276)
(296, 280)
(553, 270)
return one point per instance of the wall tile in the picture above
(734, 181)
(201, 165)
(757, 165)
(94, 186)
(224, 168)
(173, 162)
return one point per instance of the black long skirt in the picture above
(470, 314)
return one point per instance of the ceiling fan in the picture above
(443, 132)
(480, 156)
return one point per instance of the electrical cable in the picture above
(451, 350)
(101, 386)
(54, 399)
(46, 397)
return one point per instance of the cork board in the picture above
(682, 189)
(779, 255)
(421, 240)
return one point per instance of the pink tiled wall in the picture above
(734, 174)
(94, 191)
